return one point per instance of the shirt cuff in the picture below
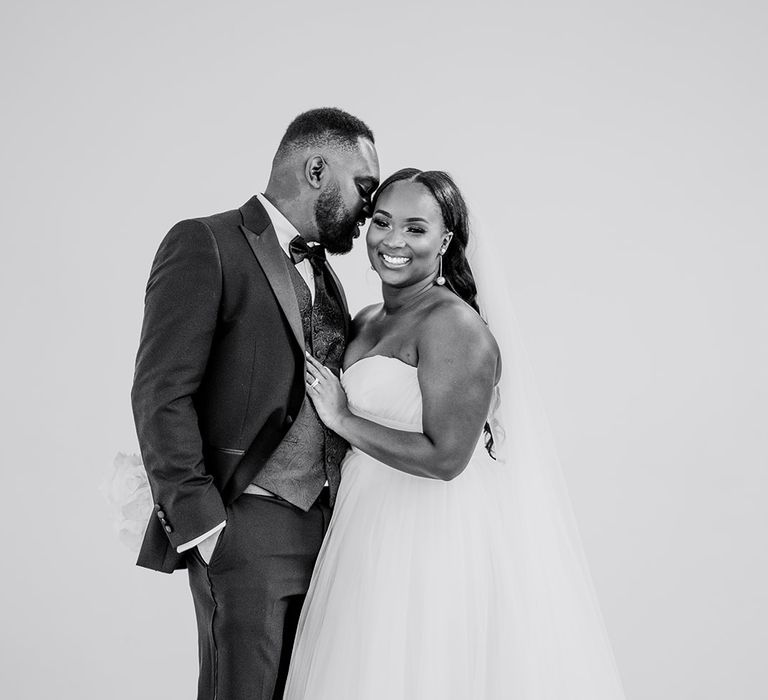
(193, 543)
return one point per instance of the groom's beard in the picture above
(336, 225)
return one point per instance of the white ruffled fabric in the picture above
(126, 489)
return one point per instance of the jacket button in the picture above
(160, 514)
(168, 529)
(158, 506)
(163, 521)
(288, 420)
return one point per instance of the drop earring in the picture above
(440, 280)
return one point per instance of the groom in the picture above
(243, 473)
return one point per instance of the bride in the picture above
(452, 567)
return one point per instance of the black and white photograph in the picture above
(385, 351)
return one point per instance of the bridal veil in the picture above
(558, 642)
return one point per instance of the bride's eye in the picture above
(415, 229)
(379, 222)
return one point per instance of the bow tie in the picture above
(300, 250)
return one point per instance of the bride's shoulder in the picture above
(453, 322)
(450, 311)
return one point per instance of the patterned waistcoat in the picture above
(310, 454)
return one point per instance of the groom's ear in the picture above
(315, 170)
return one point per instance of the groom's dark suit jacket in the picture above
(219, 373)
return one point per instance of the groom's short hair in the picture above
(326, 126)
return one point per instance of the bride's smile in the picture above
(394, 261)
(407, 235)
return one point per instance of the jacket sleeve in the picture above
(180, 312)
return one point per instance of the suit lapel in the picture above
(261, 237)
(273, 262)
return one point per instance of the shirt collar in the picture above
(284, 229)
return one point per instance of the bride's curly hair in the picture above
(456, 270)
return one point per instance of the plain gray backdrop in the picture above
(616, 150)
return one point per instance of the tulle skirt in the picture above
(408, 596)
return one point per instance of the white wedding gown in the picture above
(406, 601)
(471, 589)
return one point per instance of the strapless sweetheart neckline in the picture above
(373, 357)
(380, 390)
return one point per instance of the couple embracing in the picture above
(335, 487)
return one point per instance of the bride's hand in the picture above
(326, 393)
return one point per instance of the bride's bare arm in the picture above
(457, 369)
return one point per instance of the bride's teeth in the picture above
(392, 260)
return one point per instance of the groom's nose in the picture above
(367, 210)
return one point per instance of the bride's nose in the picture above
(394, 239)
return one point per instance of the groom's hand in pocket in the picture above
(207, 546)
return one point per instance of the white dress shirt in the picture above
(285, 232)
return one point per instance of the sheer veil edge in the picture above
(559, 643)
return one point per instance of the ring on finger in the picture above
(315, 383)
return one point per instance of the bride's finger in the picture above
(310, 358)
(313, 378)
(313, 362)
(318, 369)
